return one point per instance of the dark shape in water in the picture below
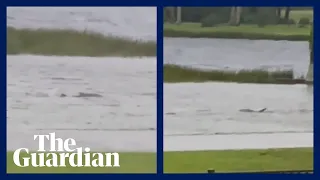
(81, 94)
(63, 95)
(250, 110)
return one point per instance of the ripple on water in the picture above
(246, 54)
(124, 118)
(208, 110)
(129, 22)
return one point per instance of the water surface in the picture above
(133, 22)
(206, 116)
(124, 119)
(237, 54)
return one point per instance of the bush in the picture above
(196, 14)
(304, 21)
(261, 21)
(291, 21)
(285, 21)
(210, 21)
(287, 74)
(249, 19)
(266, 15)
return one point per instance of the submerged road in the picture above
(207, 116)
(122, 118)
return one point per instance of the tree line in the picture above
(234, 16)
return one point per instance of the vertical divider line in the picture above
(159, 90)
(4, 109)
(315, 77)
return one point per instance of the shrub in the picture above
(210, 21)
(291, 21)
(285, 21)
(249, 19)
(196, 14)
(304, 21)
(262, 20)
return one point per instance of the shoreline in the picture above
(194, 30)
(181, 74)
(75, 43)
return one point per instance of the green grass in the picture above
(176, 74)
(271, 32)
(274, 32)
(129, 163)
(239, 160)
(73, 43)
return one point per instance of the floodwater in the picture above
(123, 119)
(205, 116)
(236, 54)
(132, 22)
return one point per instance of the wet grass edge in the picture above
(75, 43)
(179, 74)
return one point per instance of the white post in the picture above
(178, 15)
(309, 78)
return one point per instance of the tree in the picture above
(287, 14)
(235, 16)
(238, 15)
(169, 14)
(232, 16)
(279, 12)
(178, 21)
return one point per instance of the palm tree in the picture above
(169, 13)
(178, 21)
(232, 18)
(238, 15)
(287, 14)
(235, 16)
(278, 12)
